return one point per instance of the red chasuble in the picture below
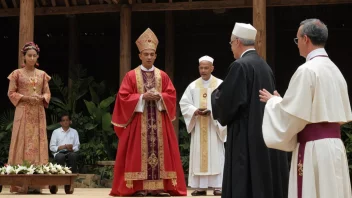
(148, 156)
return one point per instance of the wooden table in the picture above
(40, 180)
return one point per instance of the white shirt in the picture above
(62, 137)
(316, 52)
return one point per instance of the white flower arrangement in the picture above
(35, 169)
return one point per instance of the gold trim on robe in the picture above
(143, 175)
(204, 122)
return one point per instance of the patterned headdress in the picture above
(28, 46)
(147, 40)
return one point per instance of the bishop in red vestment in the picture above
(148, 159)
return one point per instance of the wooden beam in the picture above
(196, 5)
(259, 22)
(103, 8)
(53, 3)
(125, 40)
(14, 3)
(67, 3)
(4, 4)
(140, 7)
(74, 2)
(26, 29)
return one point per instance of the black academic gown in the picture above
(251, 169)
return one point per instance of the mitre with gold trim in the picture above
(147, 40)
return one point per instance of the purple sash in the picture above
(313, 132)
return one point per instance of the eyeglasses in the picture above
(232, 41)
(295, 40)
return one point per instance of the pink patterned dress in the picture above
(29, 137)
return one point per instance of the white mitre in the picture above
(206, 58)
(245, 31)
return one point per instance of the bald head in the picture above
(206, 67)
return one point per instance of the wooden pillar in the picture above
(259, 22)
(170, 58)
(125, 40)
(26, 30)
(72, 52)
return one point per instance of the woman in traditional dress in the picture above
(29, 92)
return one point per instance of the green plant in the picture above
(6, 122)
(69, 98)
(106, 172)
(100, 115)
(184, 145)
(346, 135)
(97, 137)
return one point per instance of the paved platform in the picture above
(79, 192)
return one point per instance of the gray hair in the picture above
(315, 30)
(245, 42)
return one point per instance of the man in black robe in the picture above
(251, 169)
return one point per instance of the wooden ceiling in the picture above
(59, 7)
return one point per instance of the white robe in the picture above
(211, 175)
(317, 93)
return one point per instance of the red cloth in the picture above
(128, 129)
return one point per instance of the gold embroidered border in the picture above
(135, 175)
(158, 86)
(144, 144)
(168, 175)
(153, 184)
(204, 122)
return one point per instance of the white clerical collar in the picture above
(316, 52)
(145, 69)
(207, 81)
(246, 51)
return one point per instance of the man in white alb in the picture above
(307, 120)
(207, 135)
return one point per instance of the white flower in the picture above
(31, 170)
(61, 172)
(67, 170)
(10, 170)
(2, 171)
(58, 167)
(21, 170)
(53, 170)
(46, 169)
(51, 165)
